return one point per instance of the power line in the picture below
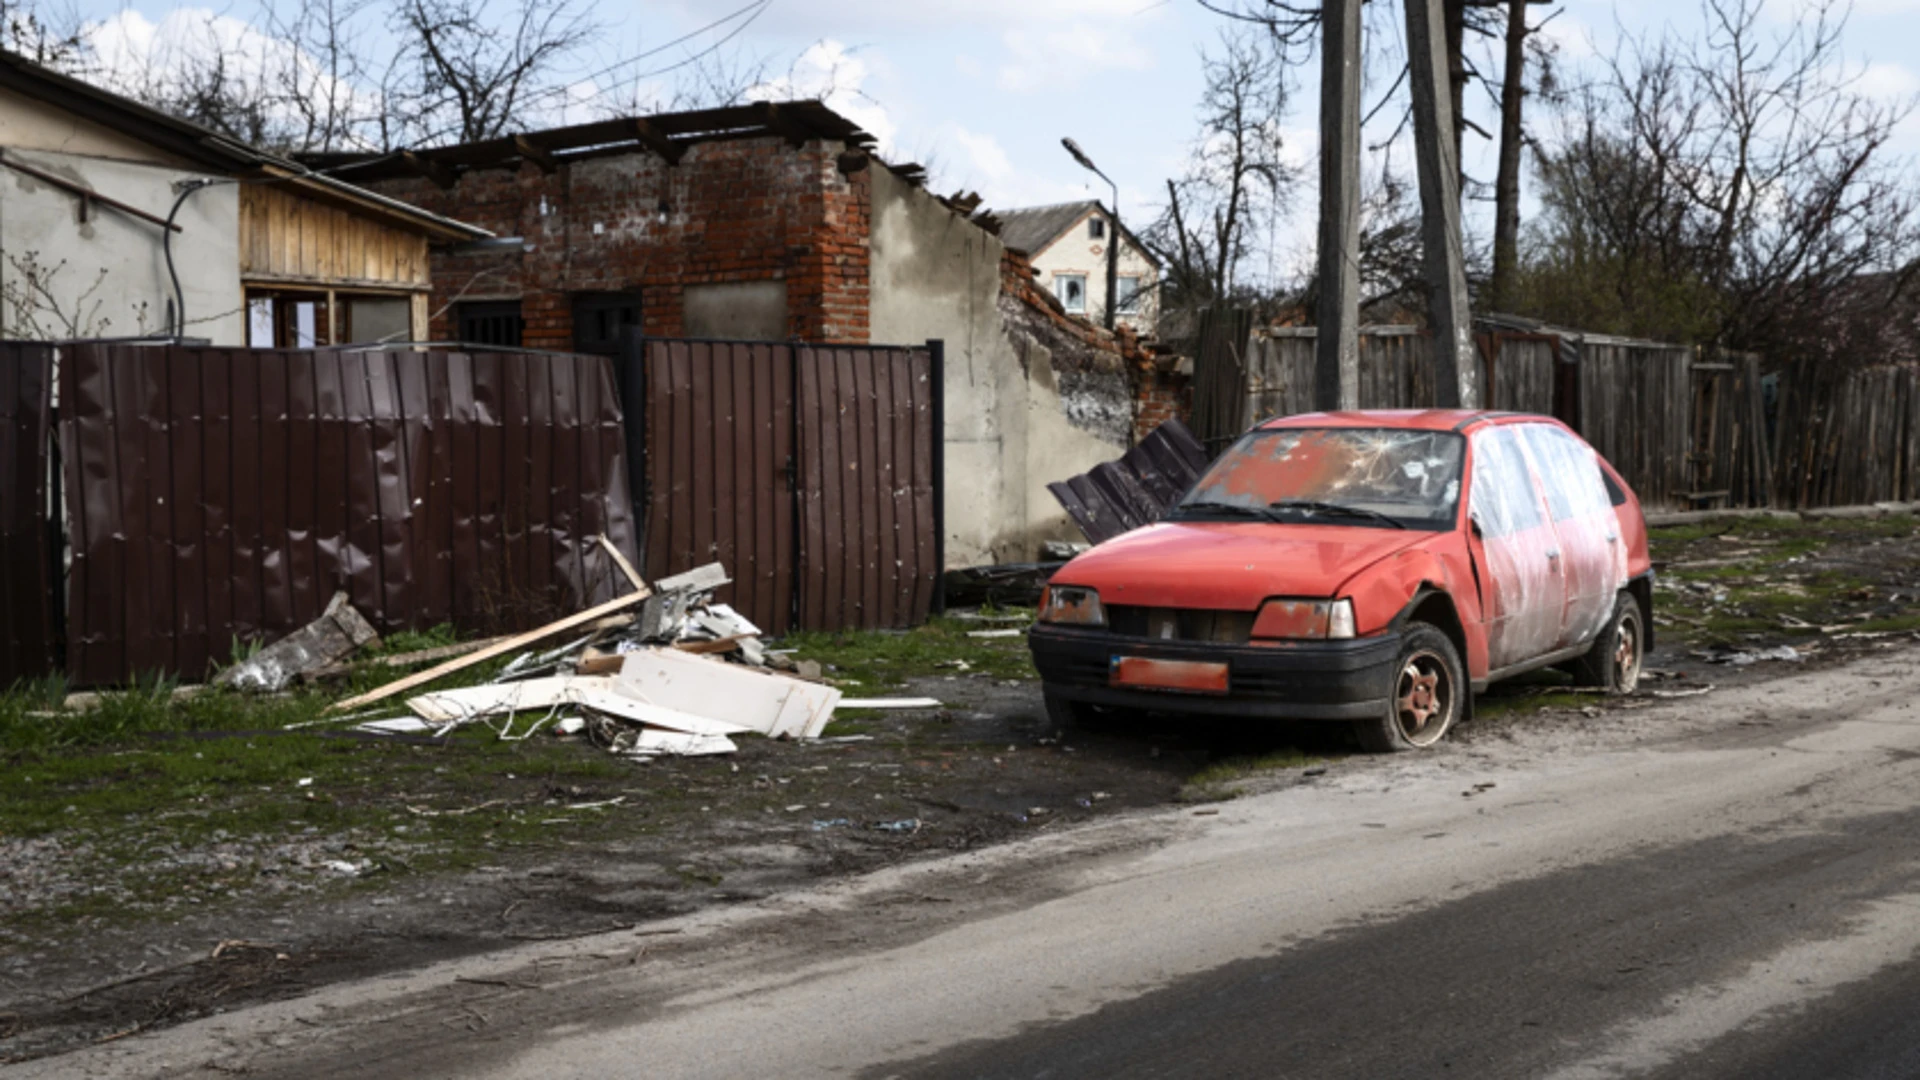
(757, 8)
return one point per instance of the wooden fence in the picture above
(1629, 398)
(1849, 440)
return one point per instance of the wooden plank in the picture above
(499, 648)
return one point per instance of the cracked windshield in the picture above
(1363, 476)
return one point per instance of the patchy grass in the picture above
(863, 661)
(1761, 579)
(1221, 780)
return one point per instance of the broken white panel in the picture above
(616, 701)
(399, 725)
(495, 699)
(763, 701)
(723, 615)
(656, 741)
(890, 703)
(1011, 632)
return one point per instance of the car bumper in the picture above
(1296, 680)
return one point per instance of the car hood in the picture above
(1230, 566)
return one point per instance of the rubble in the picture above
(678, 677)
(339, 632)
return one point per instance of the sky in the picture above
(982, 91)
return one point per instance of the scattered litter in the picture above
(1742, 658)
(339, 632)
(890, 703)
(305, 781)
(904, 825)
(1004, 633)
(341, 866)
(1693, 691)
(844, 738)
(835, 823)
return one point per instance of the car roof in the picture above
(1410, 419)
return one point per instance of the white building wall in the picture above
(1010, 421)
(1075, 252)
(72, 270)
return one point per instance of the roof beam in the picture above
(652, 138)
(432, 170)
(781, 121)
(534, 154)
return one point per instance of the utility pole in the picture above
(1336, 361)
(1456, 371)
(1113, 226)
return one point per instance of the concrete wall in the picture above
(1014, 422)
(1074, 253)
(103, 272)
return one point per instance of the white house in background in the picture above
(1068, 246)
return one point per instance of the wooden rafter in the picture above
(651, 138)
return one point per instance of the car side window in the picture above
(1503, 500)
(1568, 470)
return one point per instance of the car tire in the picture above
(1613, 663)
(1424, 698)
(1065, 714)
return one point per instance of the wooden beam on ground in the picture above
(652, 138)
(432, 170)
(1336, 364)
(1456, 377)
(535, 154)
(499, 648)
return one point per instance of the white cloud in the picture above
(1060, 57)
(851, 18)
(832, 73)
(1884, 80)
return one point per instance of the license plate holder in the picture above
(1181, 676)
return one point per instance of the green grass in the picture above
(867, 660)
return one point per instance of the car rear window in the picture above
(1412, 477)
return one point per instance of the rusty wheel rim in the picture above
(1626, 654)
(1423, 698)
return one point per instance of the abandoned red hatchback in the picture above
(1369, 567)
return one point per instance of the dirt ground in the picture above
(674, 836)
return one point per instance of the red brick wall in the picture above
(751, 210)
(1159, 394)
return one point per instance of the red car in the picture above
(1373, 567)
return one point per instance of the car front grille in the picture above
(1180, 624)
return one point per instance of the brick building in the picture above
(771, 222)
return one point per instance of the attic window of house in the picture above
(1096, 228)
(1072, 291)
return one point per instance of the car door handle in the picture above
(1612, 539)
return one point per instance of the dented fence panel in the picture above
(28, 574)
(218, 496)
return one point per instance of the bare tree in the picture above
(1737, 175)
(52, 35)
(1238, 179)
(473, 66)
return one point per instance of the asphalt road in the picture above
(1721, 886)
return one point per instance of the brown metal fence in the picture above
(811, 472)
(29, 612)
(217, 496)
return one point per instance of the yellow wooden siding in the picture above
(287, 238)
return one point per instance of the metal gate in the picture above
(29, 576)
(810, 472)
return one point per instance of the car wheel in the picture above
(1424, 698)
(1613, 664)
(1064, 714)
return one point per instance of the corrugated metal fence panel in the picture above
(1118, 496)
(720, 455)
(866, 450)
(218, 496)
(27, 584)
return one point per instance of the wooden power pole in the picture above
(1456, 370)
(1336, 364)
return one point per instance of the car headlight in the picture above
(1072, 605)
(1313, 618)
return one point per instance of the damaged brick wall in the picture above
(751, 210)
(1156, 387)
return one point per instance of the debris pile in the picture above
(663, 670)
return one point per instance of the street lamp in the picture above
(1113, 215)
